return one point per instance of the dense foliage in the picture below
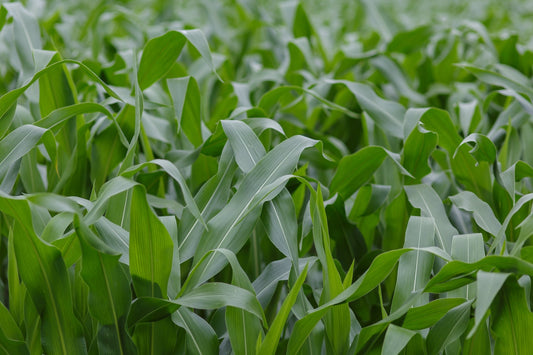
(252, 177)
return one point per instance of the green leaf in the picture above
(356, 169)
(458, 273)
(210, 295)
(160, 54)
(425, 316)
(186, 101)
(497, 79)
(425, 198)
(512, 321)
(488, 286)
(416, 151)
(388, 115)
(414, 268)
(229, 228)
(281, 225)
(270, 342)
(17, 144)
(211, 198)
(247, 147)
(380, 268)
(11, 338)
(396, 338)
(109, 291)
(44, 273)
(202, 338)
(468, 248)
(484, 149)
(483, 214)
(448, 328)
(150, 248)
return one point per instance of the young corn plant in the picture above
(249, 177)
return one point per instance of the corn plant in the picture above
(252, 177)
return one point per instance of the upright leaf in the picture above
(150, 248)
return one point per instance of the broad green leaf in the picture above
(211, 198)
(468, 248)
(512, 321)
(27, 36)
(273, 273)
(475, 176)
(499, 241)
(396, 338)
(394, 74)
(416, 151)
(448, 328)
(54, 90)
(11, 338)
(482, 212)
(388, 115)
(356, 169)
(210, 295)
(484, 149)
(425, 316)
(337, 320)
(425, 198)
(202, 338)
(247, 147)
(44, 274)
(496, 78)
(281, 225)
(186, 101)
(150, 248)
(175, 174)
(9, 99)
(229, 228)
(158, 56)
(488, 286)
(161, 52)
(364, 341)
(457, 273)
(16, 144)
(109, 291)
(368, 200)
(414, 268)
